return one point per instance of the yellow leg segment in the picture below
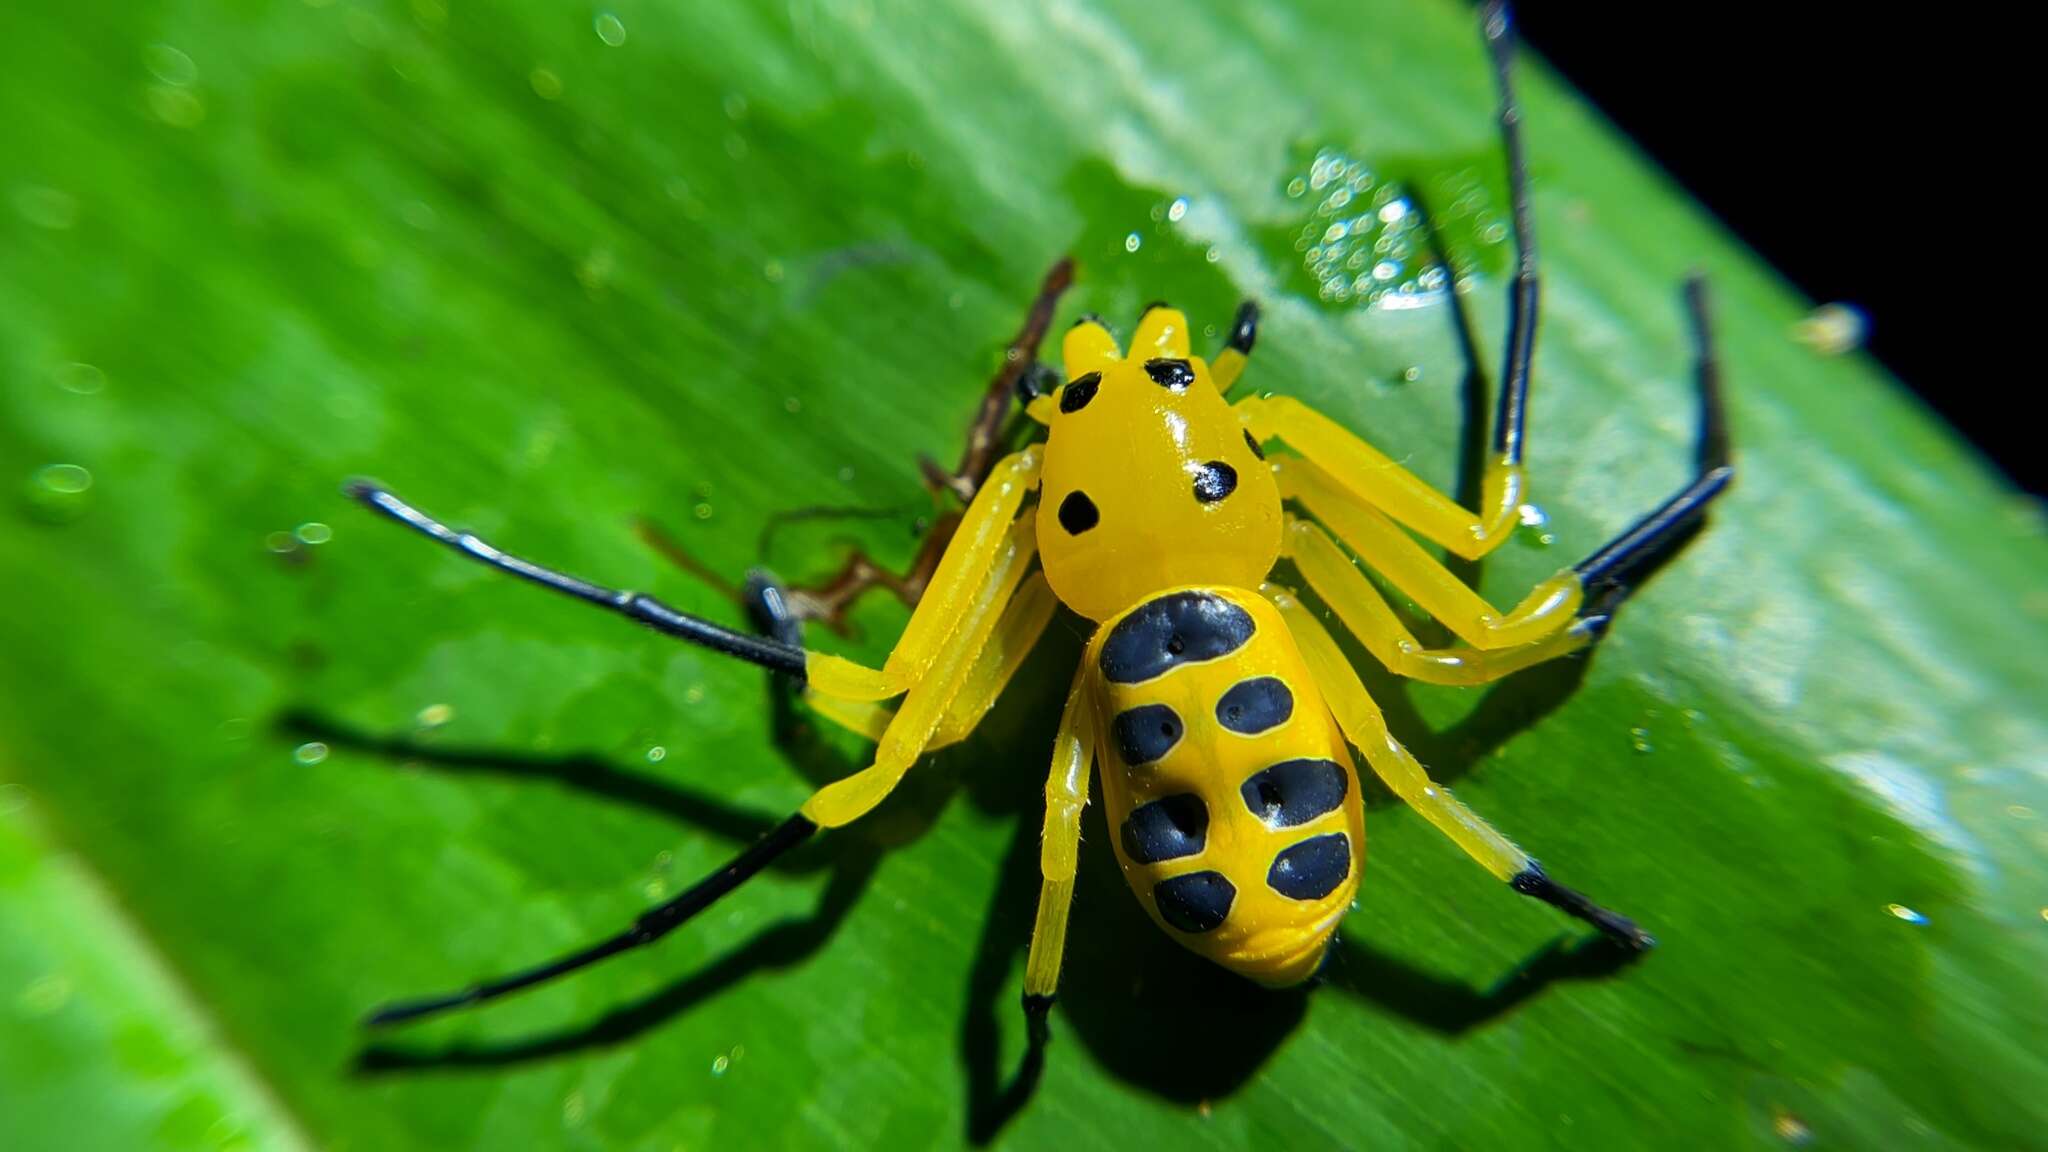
(1367, 729)
(1022, 624)
(1226, 368)
(1066, 793)
(925, 706)
(1549, 608)
(1372, 477)
(1366, 613)
(960, 577)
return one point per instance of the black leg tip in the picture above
(1089, 318)
(1244, 331)
(1151, 307)
(406, 1011)
(1037, 1011)
(1034, 382)
(1533, 881)
(362, 490)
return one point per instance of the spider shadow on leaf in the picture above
(851, 859)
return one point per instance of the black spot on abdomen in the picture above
(1295, 791)
(1166, 829)
(1257, 705)
(1163, 634)
(1214, 481)
(1078, 513)
(1311, 869)
(1147, 732)
(1195, 902)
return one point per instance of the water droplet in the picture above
(1532, 516)
(657, 754)
(792, 405)
(573, 1110)
(701, 511)
(170, 65)
(610, 29)
(1132, 241)
(434, 716)
(2019, 811)
(1791, 1129)
(694, 694)
(1832, 329)
(1904, 913)
(546, 84)
(1411, 374)
(735, 106)
(45, 995)
(310, 753)
(79, 378)
(60, 492)
(719, 1065)
(282, 543)
(178, 107)
(1297, 187)
(736, 146)
(420, 215)
(1177, 209)
(313, 532)
(773, 271)
(1639, 739)
(46, 207)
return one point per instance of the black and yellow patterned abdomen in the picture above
(1228, 786)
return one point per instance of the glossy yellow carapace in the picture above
(1150, 481)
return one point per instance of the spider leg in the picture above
(1367, 730)
(1369, 617)
(1066, 794)
(1369, 475)
(959, 661)
(1612, 573)
(783, 608)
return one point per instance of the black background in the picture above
(1838, 142)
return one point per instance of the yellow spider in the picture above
(1217, 707)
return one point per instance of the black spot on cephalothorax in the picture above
(1177, 629)
(1195, 902)
(1252, 442)
(1295, 791)
(1079, 391)
(1078, 513)
(1174, 374)
(1166, 829)
(1214, 481)
(1147, 732)
(1311, 869)
(1256, 705)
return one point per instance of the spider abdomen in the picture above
(1229, 788)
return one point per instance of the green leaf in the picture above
(550, 269)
